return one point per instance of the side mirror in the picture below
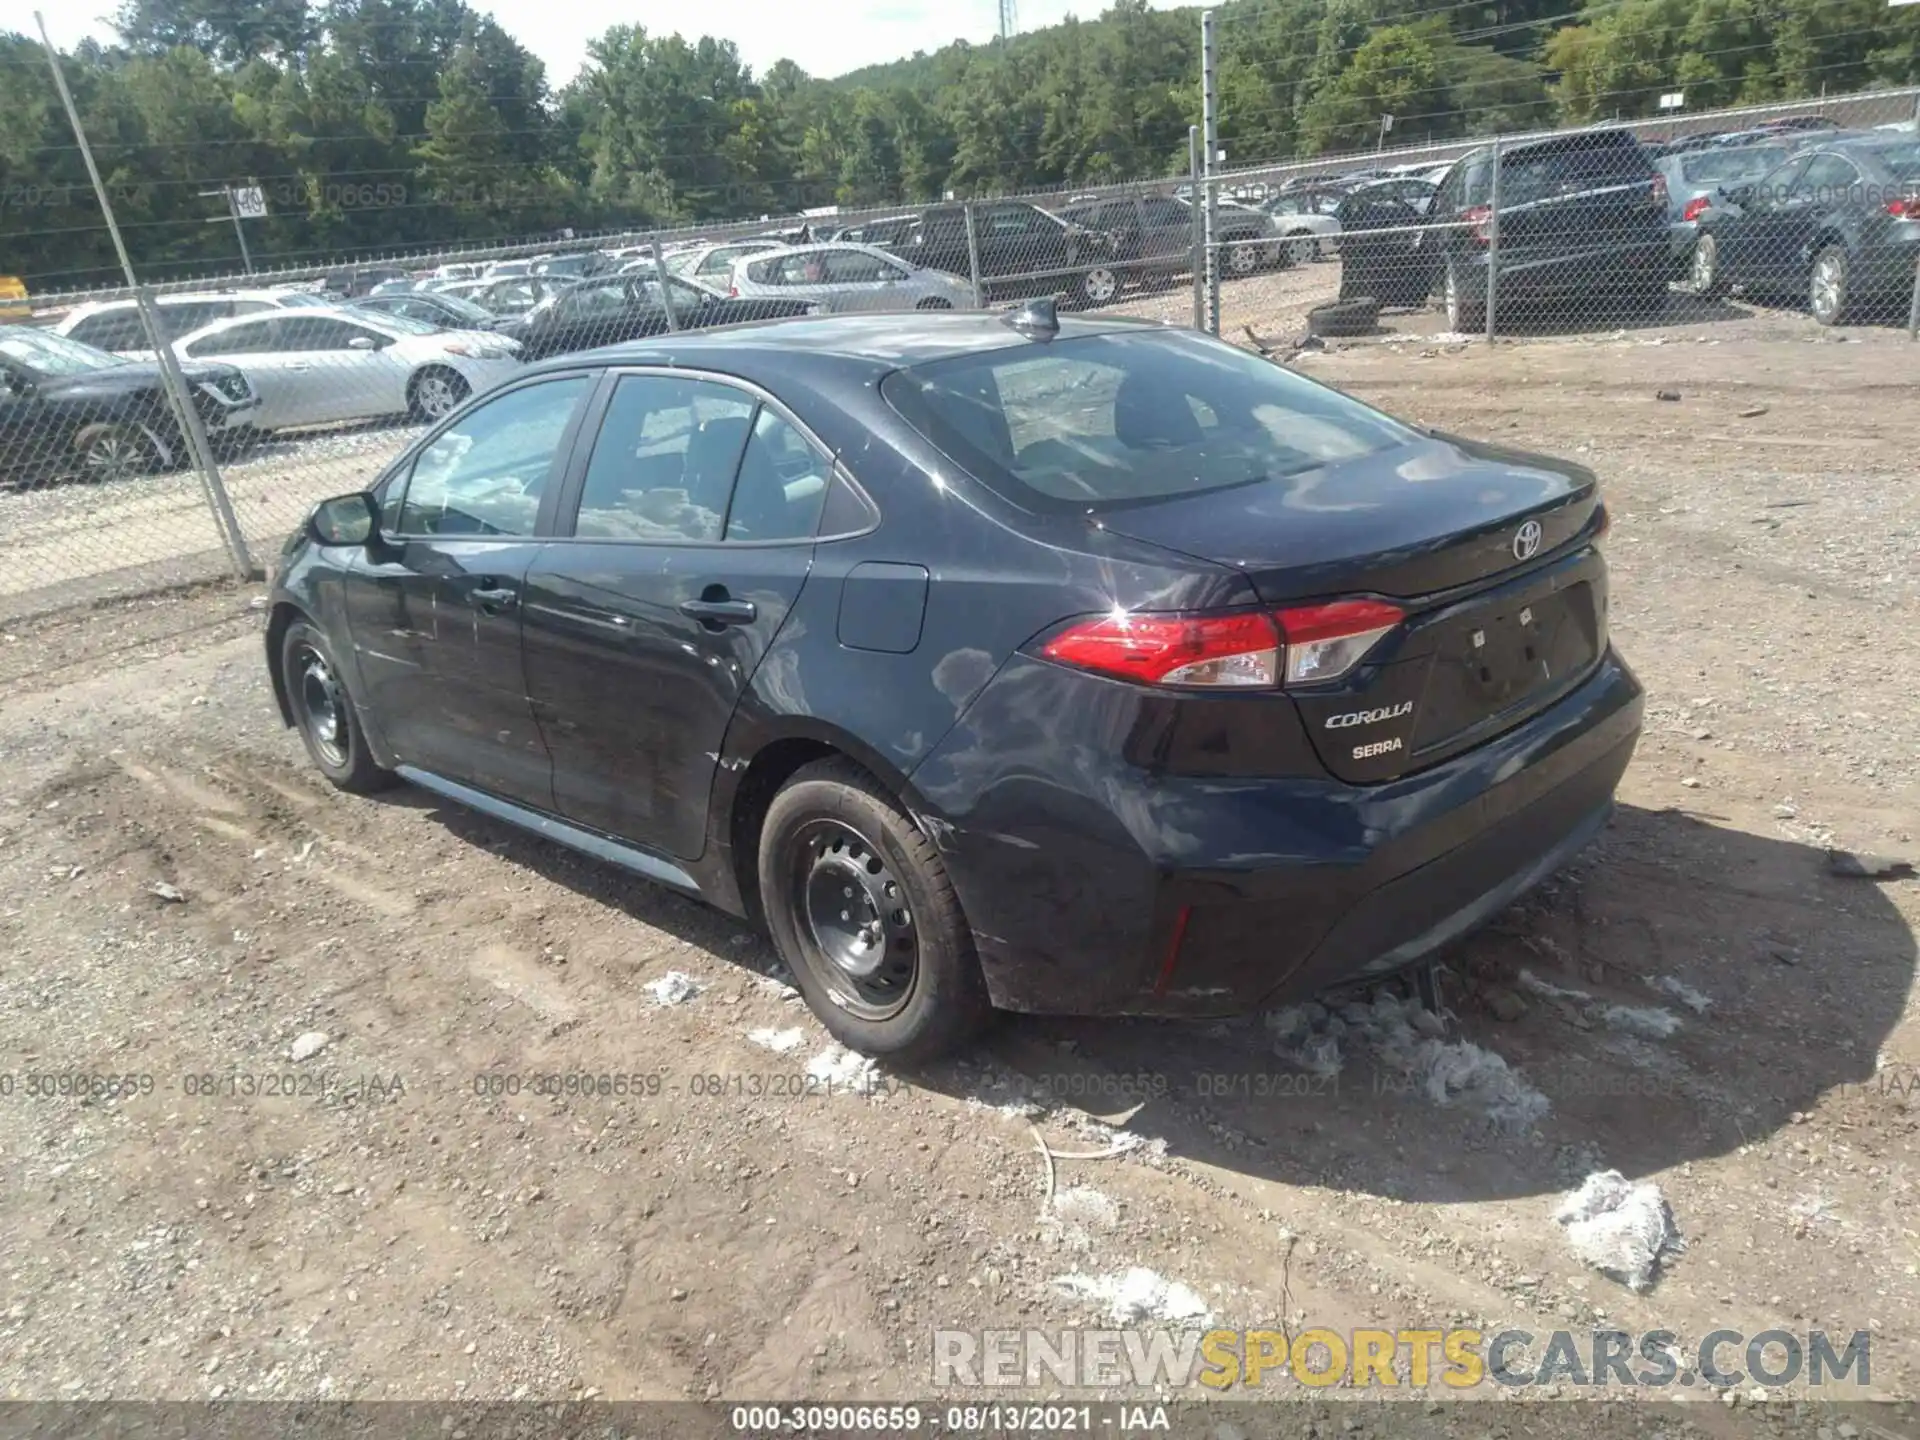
(363, 342)
(345, 520)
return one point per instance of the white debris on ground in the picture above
(1681, 991)
(1078, 1213)
(778, 1041)
(307, 1045)
(1653, 1021)
(1006, 1109)
(673, 988)
(1136, 1295)
(837, 1067)
(1620, 1228)
(776, 987)
(1404, 1038)
(1548, 990)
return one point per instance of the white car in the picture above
(1306, 218)
(115, 325)
(327, 366)
(839, 277)
(713, 264)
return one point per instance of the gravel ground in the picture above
(181, 898)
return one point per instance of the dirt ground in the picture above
(182, 898)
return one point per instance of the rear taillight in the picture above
(1235, 650)
(1696, 207)
(1908, 209)
(733, 292)
(1324, 642)
(1477, 219)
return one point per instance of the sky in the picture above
(823, 37)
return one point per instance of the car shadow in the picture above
(1710, 984)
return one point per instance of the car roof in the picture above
(874, 343)
(822, 247)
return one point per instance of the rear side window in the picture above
(114, 330)
(1109, 420)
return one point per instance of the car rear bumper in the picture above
(1100, 888)
(1576, 274)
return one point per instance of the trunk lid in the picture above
(1501, 620)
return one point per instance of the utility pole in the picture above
(239, 204)
(1210, 138)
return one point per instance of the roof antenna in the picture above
(1037, 319)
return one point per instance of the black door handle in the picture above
(494, 599)
(720, 612)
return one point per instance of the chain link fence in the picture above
(155, 438)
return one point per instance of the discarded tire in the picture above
(1358, 316)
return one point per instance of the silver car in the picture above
(1697, 181)
(841, 277)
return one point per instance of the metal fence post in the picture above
(1493, 243)
(973, 258)
(186, 413)
(1210, 127)
(1198, 245)
(666, 290)
(1913, 310)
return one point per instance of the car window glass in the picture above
(484, 475)
(1161, 211)
(808, 267)
(850, 267)
(253, 338)
(594, 300)
(113, 330)
(313, 332)
(1826, 180)
(1773, 188)
(664, 460)
(782, 484)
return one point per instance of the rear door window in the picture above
(1115, 419)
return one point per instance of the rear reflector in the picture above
(1228, 651)
(1238, 650)
(1324, 642)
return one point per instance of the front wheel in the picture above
(1827, 286)
(1243, 259)
(114, 452)
(324, 712)
(1098, 286)
(1303, 249)
(862, 910)
(436, 393)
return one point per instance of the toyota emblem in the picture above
(1526, 541)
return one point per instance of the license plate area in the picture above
(1497, 657)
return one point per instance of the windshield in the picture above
(463, 308)
(1714, 166)
(45, 353)
(1118, 418)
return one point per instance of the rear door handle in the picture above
(720, 612)
(494, 598)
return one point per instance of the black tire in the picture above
(1829, 289)
(1466, 309)
(1244, 257)
(1357, 316)
(827, 830)
(339, 749)
(436, 392)
(114, 451)
(1703, 268)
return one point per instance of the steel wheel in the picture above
(865, 948)
(1099, 285)
(1827, 286)
(322, 705)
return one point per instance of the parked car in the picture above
(515, 295)
(835, 278)
(115, 325)
(440, 310)
(1109, 668)
(1837, 227)
(1583, 223)
(1307, 218)
(1697, 181)
(68, 409)
(14, 304)
(625, 307)
(713, 264)
(459, 270)
(323, 367)
(1153, 235)
(577, 266)
(1023, 250)
(350, 282)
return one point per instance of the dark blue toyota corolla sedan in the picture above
(1065, 665)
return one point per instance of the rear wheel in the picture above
(1827, 295)
(117, 451)
(1703, 271)
(324, 713)
(1243, 259)
(1466, 310)
(1098, 286)
(437, 392)
(861, 909)
(1302, 248)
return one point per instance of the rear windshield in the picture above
(1713, 166)
(1114, 419)
(1549, 171)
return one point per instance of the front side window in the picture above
(253, 338)
(852, 267)
(485, 474)
(664, 460)
(113, 330)
(1116, 419)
